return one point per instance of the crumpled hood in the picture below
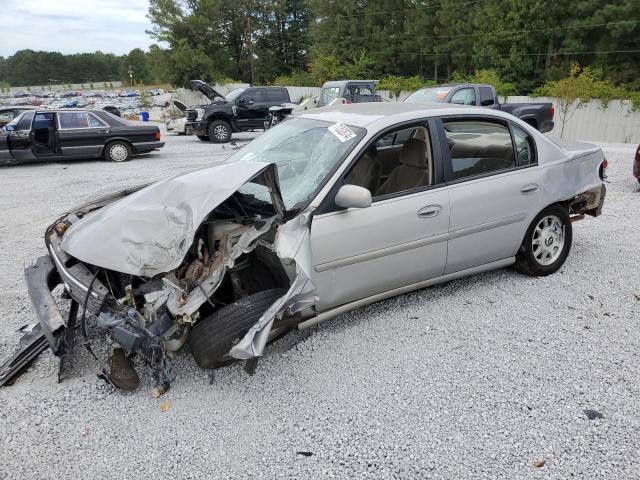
(149, 231)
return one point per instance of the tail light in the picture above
(603, 169)
(157, 135)
(552, 111)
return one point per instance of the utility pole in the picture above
(250, 41)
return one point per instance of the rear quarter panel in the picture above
(135, 133)
(576, 173)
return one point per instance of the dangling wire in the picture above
(83, 321)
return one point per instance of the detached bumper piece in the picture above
(51, 331)
(31, 345)
(43, 277)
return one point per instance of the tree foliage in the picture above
(515, 45)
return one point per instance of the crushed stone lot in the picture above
(493, 376)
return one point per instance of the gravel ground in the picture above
(484, 377)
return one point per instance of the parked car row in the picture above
(256, 107)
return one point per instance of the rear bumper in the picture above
(547, 126)
(142, 147)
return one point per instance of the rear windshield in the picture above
(436, 94)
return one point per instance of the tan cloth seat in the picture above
(413, 171)
(367, 170)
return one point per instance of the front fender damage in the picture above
(292, 246)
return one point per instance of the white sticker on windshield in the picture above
(341, 131)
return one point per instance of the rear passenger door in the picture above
(494, 191)
(81, 134)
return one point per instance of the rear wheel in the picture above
(547, 242)
(219, 131)
(117, 151)
(212, 337)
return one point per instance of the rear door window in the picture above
(486, 96)
(525, 146)
(478, 147)
(95, 122)
(275, 96)
(69, 120)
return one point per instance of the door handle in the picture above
(430, 211)
(103, 131)
(529, 189)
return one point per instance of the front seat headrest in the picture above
(414, 153)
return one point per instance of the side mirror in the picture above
(242, 101)
(458, 102)
(9, 128)
(353, 196)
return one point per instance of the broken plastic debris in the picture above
(539, 463)
(165, 406)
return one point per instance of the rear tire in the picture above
(219, 131)
(117, 151)
(547, 242)
(212, 337)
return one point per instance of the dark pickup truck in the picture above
(241, 110)
(538, 115)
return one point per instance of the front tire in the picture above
(547, 242)
(212, 337)
(219, 131)
(117, 151)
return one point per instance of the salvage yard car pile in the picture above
(127, 101)
(328, 211)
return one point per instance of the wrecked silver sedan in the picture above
(331, 210)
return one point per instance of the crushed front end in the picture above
(240, 247)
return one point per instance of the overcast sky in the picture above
(70, 26)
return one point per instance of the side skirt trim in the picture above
(324, 316)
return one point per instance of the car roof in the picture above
(379, 115)
(70, 110)
(18, 107)
(363, 114)
(451, 85)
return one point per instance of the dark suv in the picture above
(241, 110)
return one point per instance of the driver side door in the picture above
(399, 240)
(20, 139)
